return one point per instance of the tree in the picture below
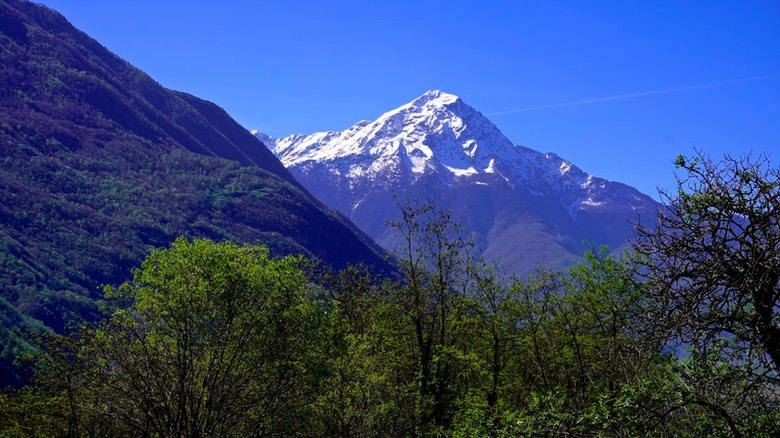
(370, 392)
(561, 352)
(492, 298)
(434, 256)
(211, 339)
(713, 269)
(714, 258)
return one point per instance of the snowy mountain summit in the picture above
(437, 139)
(436, 132)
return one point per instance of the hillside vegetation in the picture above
(100, 163)
(216, 339)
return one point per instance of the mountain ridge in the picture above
(437, 140)
(100, 163)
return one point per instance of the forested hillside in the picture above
(100, 163)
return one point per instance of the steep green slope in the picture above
(99, 163)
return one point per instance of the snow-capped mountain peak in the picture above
(435, 134)
(510, 195)
(439, 137)
(434, 98)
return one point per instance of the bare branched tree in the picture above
(714, 259)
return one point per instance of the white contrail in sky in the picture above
(639, 94)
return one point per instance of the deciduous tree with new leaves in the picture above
(210, 339)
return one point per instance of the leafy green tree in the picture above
(371, 391)
(28, 413)
(434, 257)
(492, 296)
(570, 351)
(602, 300)
(210, 339)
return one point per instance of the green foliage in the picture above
(28, 413)
(220, 339)
(210, 339)
(372, 389)
(435, 255)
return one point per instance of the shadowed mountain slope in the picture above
(99, 162)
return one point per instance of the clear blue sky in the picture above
(617, 87)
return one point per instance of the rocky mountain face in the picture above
(523, 207)
(99, 163)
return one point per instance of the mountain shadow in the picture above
(100, 163)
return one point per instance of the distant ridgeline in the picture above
(100, 162)
(522, 206)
